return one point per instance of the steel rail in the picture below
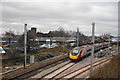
(82, 68)
(59, 72)
(38, 67)
(88, 69)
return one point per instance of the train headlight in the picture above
(73, 57)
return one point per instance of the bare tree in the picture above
(59, 33)
(30, 41)
(9, 33)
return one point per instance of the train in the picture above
(78, 53)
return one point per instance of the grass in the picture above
(17, 59)
(56, 51)
(11, 74)
(108, 70)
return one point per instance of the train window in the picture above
(88, 49)
(77, 48)
(75, 51)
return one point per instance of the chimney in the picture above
(33, 30)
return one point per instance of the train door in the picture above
(84, 52)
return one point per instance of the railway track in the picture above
(52, 75)
(52, 72)
(78, 72)
(58, 71)
(16, 75)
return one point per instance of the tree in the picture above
(9, 34)
(30, 41)
(60, 32)
(9, 37)
(105, 36)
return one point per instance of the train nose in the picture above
(73, 57)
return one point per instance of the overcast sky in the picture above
(46, 16)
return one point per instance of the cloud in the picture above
(51, 15)
(60, 0)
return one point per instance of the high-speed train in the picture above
(79, 52)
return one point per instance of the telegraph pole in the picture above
(93, 39)
(77, 36)
(25, 44)
(63, 42)
(109, 48)
(50, 41)
(109, 41)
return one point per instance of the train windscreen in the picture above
(76, 50)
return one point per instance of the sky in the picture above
(50, 15)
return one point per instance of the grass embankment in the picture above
(14, 59)
(33, 66)
(109, 70)
(55, 51)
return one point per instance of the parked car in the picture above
(1, 50)
(45, 46)
(49, 46)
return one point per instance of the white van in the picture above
(1, 50)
